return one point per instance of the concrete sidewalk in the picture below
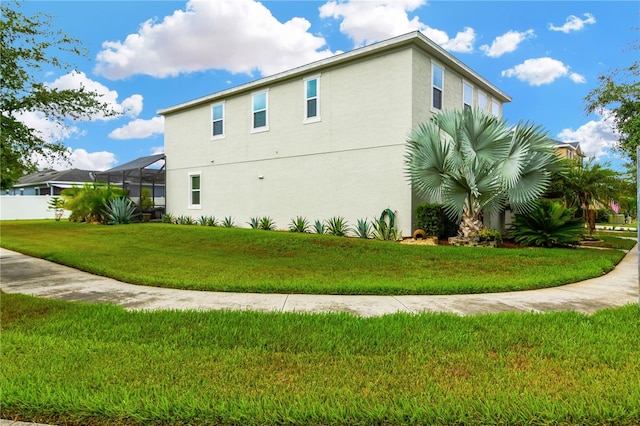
(24, 274)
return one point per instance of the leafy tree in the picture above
(474, 163)
(28, 47)
(88, 203)
(587, 184)
(619, 92)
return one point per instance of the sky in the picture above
(146, 55)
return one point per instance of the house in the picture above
(322, 140)
(569, 150)
(50, 182)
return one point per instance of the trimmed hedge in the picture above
(434, 221)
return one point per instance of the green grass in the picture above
(245, 260)
(612, 241)
(76, 364)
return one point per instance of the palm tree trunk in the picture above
(471, 223)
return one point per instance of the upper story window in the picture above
(437, 81)
(260, 111)
(495, 108)
(217, 121)
(482, 101)
(194, 190)
(312, 99)
(467, 96)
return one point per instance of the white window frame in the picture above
(495, 108)
(433, 86)
(191, 190)
(482, 101)
(465, 85)
(221, 135)
(306, 119)
(264, 128)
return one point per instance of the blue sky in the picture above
(147, 55)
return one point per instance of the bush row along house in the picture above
(323, 140)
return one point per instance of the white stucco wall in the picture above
(348, 164)
(26, 207)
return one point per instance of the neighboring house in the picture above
(50, 182)
(323, 140)
(569, 149)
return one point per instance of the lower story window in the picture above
(194, 190)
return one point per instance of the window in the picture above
(437, 77)
(260, 117)
(467, 96)
(482, 101)
(311, 99)
(217, 121)
(495, 108)
(194, 190)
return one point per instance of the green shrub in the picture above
(254, 223)
(299, 224)
(433, 220)
(146, 201)
(548, 225)
(363, 228)
(88, 202)
(57, 205)
(337, 226)
(120, 211)
(488, 234)
(168, 218)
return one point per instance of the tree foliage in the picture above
(29, 47)
(619, 92)
(588, 185)
(474, 163)
(550, 224)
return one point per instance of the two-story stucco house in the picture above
(322, 140)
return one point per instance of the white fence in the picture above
(26, 207)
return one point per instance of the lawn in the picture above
(77, 364)
(246, 260)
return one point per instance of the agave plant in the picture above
(363, 228)
(266, 224)
(549, 224)
(299, 224)
(474, 164)
(227, 222)
(185, 220)
(207, 221)
(254, 223)
(120, 211)
(384, 227)
(319, 227)
(168, 218)
(337, 226)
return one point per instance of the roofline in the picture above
(415, 38)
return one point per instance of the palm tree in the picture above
(474, 163)
(587, 184)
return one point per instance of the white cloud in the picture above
(573, 23)
(368, 21)
(596, 137)
(50, 131)
(236, 35)
(132, 106)
(506, 43)
(78, 159)
(139, 129)
(577, 78)
(157, 150)
(538, 71)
